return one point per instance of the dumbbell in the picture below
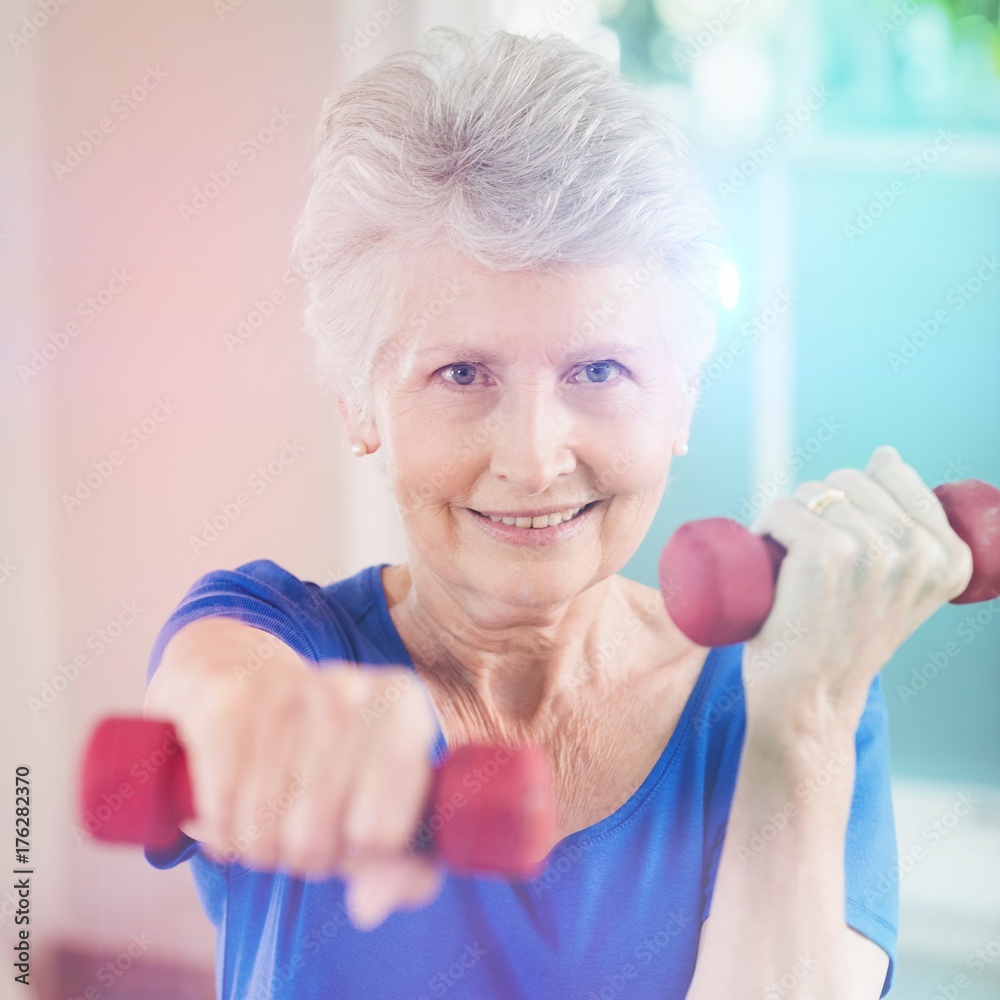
(718, 583)
(135, 788)
(718, 578)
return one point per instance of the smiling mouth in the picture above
(544, 521)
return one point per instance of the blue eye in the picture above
(602, 370)
(463, 373)
(461, 366)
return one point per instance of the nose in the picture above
(531, 444)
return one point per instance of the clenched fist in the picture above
(863, 571)
(319, 773)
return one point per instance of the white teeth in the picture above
(544, 521)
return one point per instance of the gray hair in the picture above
(522, 153)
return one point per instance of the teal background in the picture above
(855, 302)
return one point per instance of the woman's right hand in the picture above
(320, 773)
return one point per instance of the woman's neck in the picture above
(518, 683)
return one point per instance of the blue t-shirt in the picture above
(617, 911)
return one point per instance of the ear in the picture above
(355, 427)
(352, 425)
(690, 392)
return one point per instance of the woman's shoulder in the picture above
(267, 578)
(715, 693)
(660, 637)
(332, 618)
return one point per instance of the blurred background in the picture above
(155, 160)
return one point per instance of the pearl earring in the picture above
(359, 448)
(680, 449)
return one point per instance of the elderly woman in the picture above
(511, 267)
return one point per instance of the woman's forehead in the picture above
(465, 305)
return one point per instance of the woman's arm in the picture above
(356, 774)
(777, 926)
(778, 908)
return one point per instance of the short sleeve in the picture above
(260, 594)
(871, 873)
(871, 868)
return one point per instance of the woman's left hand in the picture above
(859, 578)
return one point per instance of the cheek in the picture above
(414, 474)
(637, 458)
(430, 471)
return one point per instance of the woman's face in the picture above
(518, 392)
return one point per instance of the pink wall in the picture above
(204, 80)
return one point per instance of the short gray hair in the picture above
(522, 153)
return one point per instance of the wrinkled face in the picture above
(517, 393)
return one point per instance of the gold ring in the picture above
(821, 501)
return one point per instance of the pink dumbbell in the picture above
(135, 789)
(718, 578)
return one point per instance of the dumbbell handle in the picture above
(718, 578)
(491, 809)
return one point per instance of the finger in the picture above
(392, 787)
(406, 881)
(312, 835)
(377, 888)
(419, 884)
(954, 570)
(902, 481)
(864, 495)
(810, 540)
(867, 512)
(266, 790)
(212, 765)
